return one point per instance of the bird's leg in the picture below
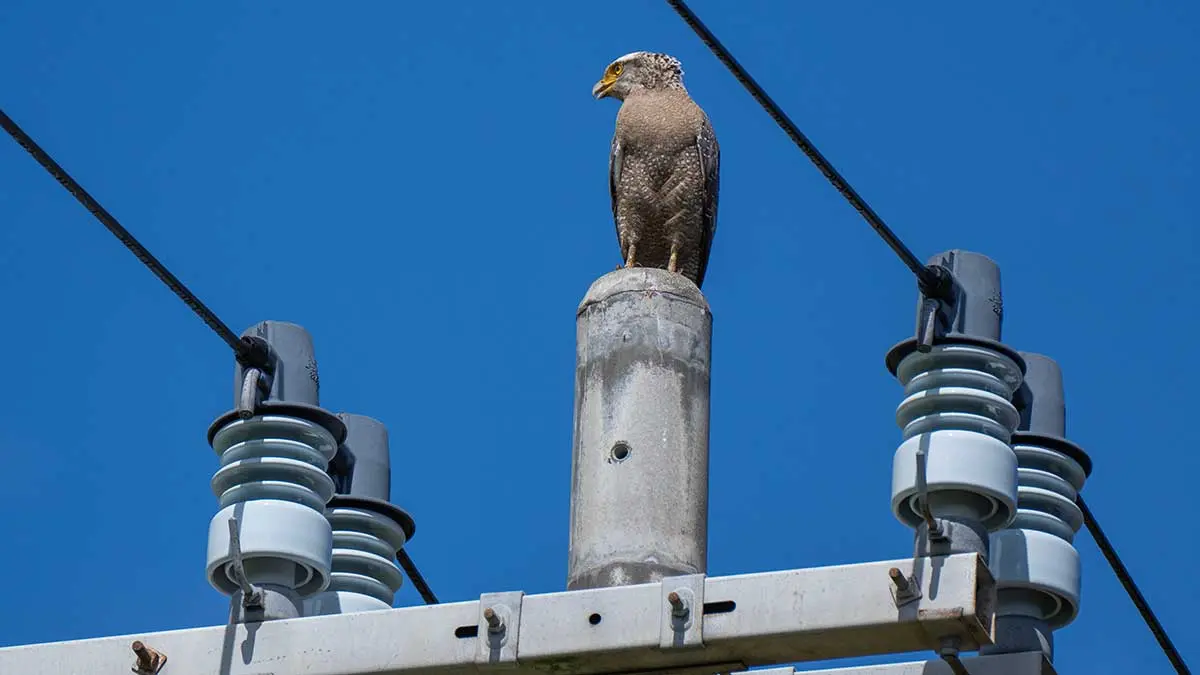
(673, 263)
(629, 254)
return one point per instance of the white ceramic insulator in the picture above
(958, 407)
(365, 576)
(1036, 552)
(272, 479)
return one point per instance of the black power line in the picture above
(930, 278)
(1126, 579)
(414, 575)
(246, 350)
(242, 348)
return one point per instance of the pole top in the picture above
(642, 280)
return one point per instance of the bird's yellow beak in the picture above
(601, 89)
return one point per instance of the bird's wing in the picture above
(614, 177)
(710, 169)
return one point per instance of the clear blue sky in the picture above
(422, 185)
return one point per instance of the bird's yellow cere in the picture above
(611, 74)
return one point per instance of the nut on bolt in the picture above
(678, 606)
(149, 660)
(495, 622)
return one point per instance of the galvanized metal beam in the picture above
(744, 621)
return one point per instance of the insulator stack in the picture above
(272, 478)
(1034, 560)
(272, 483)
(954, 477)
(957, 407)
(367, 529)
(365, 576)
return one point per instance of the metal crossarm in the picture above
(745, 621)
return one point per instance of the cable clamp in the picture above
(936, 287)
(258, 364)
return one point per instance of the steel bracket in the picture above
(499, 627)
(756, 619)
(681, 622)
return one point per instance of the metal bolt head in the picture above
(678, 607)
(898, 578)
(149, 661)
(494, 621)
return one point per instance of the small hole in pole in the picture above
(620, 451)
(594, 619)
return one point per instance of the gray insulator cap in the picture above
(296, 379)
(1040, 398)
(978, 308)
(295, 386)
(362, 471)
(1042, 404)
(371, 471)
(975, 314)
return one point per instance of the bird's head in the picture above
(639, 70)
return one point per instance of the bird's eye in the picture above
(617, 68)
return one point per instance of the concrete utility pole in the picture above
(639, 490)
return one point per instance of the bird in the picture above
(664, 166)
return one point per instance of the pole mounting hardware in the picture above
(682, 612)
